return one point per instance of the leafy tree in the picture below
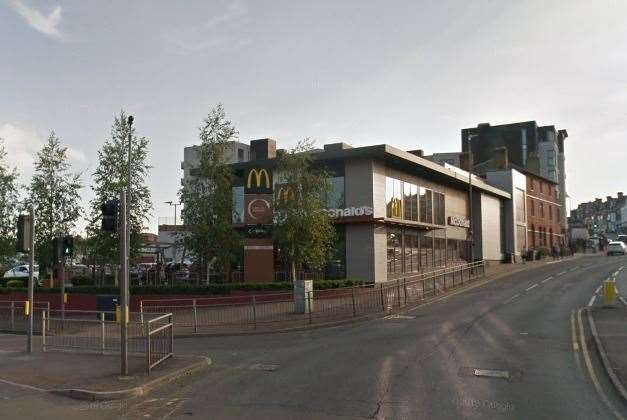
(8, 206)
(110, 177)
(208, 199)
(55, 194)
(303, 230)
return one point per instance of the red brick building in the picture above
(544, 213)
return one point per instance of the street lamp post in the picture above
(470, 229)
(172, 203)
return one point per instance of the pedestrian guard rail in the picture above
(96, 331)
(274, 311)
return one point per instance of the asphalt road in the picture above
(422, 364)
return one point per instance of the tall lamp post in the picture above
(172, 203)
(470, 165)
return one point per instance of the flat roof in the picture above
(400, 158)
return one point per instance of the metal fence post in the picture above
(12, 315)
(147, 334)
(141, 312)
(254, 312)
(398, 292)
(435, 289)
(43, 331)
(171, 318)
(353, 301)
(382, 300)
(405, 291)
(309, 305)
(195, 316)
(102, 333)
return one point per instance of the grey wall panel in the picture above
(358, 183)
(360, 260)
(490, 228)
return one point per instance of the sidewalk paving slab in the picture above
(609, 329)
(88, 376)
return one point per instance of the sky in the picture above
(411, 74)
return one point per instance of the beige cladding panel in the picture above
(358, 175)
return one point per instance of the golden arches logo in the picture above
(258, 174)
(285, 193)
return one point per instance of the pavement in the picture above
(87, 376)
(512, 348)
(608, 324)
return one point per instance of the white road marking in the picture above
(546, 279)
(574, 268)
(531, 287)
(524, 333)
(592, 300)
(560, 273)
(593, 375)
(512, 298)
(598, 289)
(622, 299)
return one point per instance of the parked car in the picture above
(623, 239)
(22, 271)
(616, 248)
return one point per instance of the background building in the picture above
(538, 150)
(607, 217)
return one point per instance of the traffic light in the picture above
(23, 233)
(68, 246)
(57, 250)
(110, 216)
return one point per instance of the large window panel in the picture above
(238, 204)
(394, 251)
(426, 205)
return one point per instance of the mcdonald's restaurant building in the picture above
(395, 213)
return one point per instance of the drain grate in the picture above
(492, 373)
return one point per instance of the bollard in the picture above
(609, 293)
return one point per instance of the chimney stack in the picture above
(464, 159)
(501, 158)
(263, 149)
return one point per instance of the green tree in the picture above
(110, 176)
(208, 199)
(8, 206)
(303, 230)
(55, 194)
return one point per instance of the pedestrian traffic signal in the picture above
(68, 246)
(110, 216)
(24, 227)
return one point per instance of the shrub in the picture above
(543, 252)
(82, 281)
(15, 283)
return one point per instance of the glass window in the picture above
(238, 204)
(438, 209)
(394, 197)
(335, 197)
(394, 251)
(411, 250)
(426, 251)
(426, 209)
(414, 202)
(410, 201)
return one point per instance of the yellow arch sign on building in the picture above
(259, 175)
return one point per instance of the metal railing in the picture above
(277, 310)
(14, 319)
(159, 334)
(97, 331)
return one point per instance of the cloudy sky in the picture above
(410, 74)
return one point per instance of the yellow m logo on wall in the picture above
(395, 207)
(259, 176)
(285, 193)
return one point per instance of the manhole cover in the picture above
(264, 367)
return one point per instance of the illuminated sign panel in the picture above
(259, 181)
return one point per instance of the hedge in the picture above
(211, 289)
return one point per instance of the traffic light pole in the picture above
(62, 280)
(31, 286)
(124, 286)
